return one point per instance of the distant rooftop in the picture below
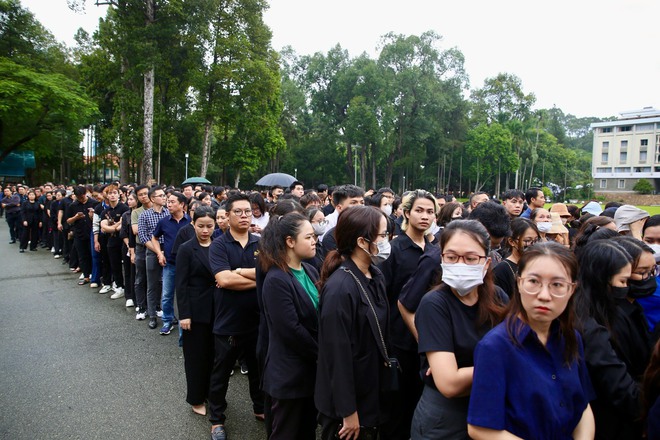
(645, 112)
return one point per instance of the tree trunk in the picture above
(373, 166)
(363, 162)
(208, 126)
(237, 180)
(147, 158)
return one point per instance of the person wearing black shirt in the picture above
(450, 321)
(31, 216)
(419, 211)
(111, 223)
(523, 235)
(78, 217)
(353, 329)
(232, 258)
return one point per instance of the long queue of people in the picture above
(412, 317)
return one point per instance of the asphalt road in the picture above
(75, 364)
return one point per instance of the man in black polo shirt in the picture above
(232, 257)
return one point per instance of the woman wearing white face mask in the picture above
(353, 329)
(450, 322)
(543, 221)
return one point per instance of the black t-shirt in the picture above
(397, 270)
(63, 206)
(444, 323)
(236, 311)
(82, 228)
(505, 276)
(114, 215)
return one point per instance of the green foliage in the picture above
(643, 186)
(37, 109)
(547, 192)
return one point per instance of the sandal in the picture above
(76, 270)
(83, 281)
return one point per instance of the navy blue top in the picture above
(168, 228)
(236, 311)
(651, 306)
(526, 388)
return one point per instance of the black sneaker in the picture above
(174, 322)
(153, 323)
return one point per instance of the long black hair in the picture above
(598, 262)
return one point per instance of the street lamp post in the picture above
(187, 166)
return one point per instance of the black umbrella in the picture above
(196, 180)
(281, 179)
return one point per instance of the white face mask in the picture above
(387, 209)
(320, 227)
(384, 250)
(544, 227)
(463, 277)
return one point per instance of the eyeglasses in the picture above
(469, 259)
(557, 288)
(241, 212)
(646, 275)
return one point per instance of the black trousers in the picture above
(129, 274)
(13, 219)
(294, 419)
(31, 234)
(198, 354)
(105, 268)
(114, 259)
(402, 404)
(141, 277)
(84, 252)
(227, 349)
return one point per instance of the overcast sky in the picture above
(587, 57)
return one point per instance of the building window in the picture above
(606, 130)
(644, 127)
(624, 144)
(642, 156)
(644, 142)
(626, 128)
(606, 145)
(604, 157)
(623, 157)
(603, 183)
(621, 184)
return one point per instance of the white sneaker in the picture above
(57, 256)
(106, 288)
(141, 315)
(130, 303)
(119, 293)
(94, 285)
(52, 250)
(82, 276)
(114, 285)
(159, 313)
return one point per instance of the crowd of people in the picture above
(378, 315)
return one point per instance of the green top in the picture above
(308, 285)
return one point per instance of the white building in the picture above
(626, 150)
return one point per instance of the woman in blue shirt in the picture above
(530, 378)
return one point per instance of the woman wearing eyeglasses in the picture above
(523, 235)
(530, 377)
(604, 270)
(450, 321)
